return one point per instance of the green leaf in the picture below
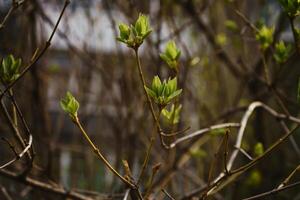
(254, 179)
(171, 54)
(70, 105)
(172, 84)
(10, 68)
(291, 7)
(141, 26)
(265, 36)
(221, 39)
(174, 94)
(156, 84)
(171, 50)
(134, 35)
(282, 52)
(150, 92)
(258, 149)
(163, 92)
(231, 25)
(173, 115)
(124, 31)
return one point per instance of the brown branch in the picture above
(14, 5)
(272, 192)
(203, 131)
(43, 186)
(18, 156)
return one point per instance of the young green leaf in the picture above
(291, 7)
(282, 52)
(221, 39)
(142, 26)
(134, 35)
(124, 32)
(258, 149)
(70, 105)
(173, 115)
(10, 69)
(231, 25)
(171, 54)
(265, 37)
(163, 92)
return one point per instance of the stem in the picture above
(291, 19)
(267, 152)
(99, 154)
(266, 70)
(288, 178)
(14, 112)
(148, 98)
(272, 192)
(146, 160)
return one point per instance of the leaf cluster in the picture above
(70, 105)
(291, 7)
(282, 52)
(134, 35)
(171, 55)
(163, 92)
(10, 69)
(172, 115)
(265, 36)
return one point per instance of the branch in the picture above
(202, 131)
(43, 186)
(272, 192)
(18, 156)
(15, 4)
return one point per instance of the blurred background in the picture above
(221, 72)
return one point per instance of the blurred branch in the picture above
(275, 191)
(5, 193)
(43, 186)
(224, 178)
(210, 36)
(39, 55)
(14, 5)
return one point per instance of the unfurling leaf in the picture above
(70, 105)
(265, 37)
(282, 52)
(172, 115)
(258, 149)
(171, 55)
(10, 69)
(134, 35)
(163, 92)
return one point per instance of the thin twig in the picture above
(18, 156)
(146, 160)
(288, 178)
(156, 121)
(272, 192)
(43, 186)
(224, 179)
(14, 5)
(167, 194)
(202, 131)
(99, 154)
